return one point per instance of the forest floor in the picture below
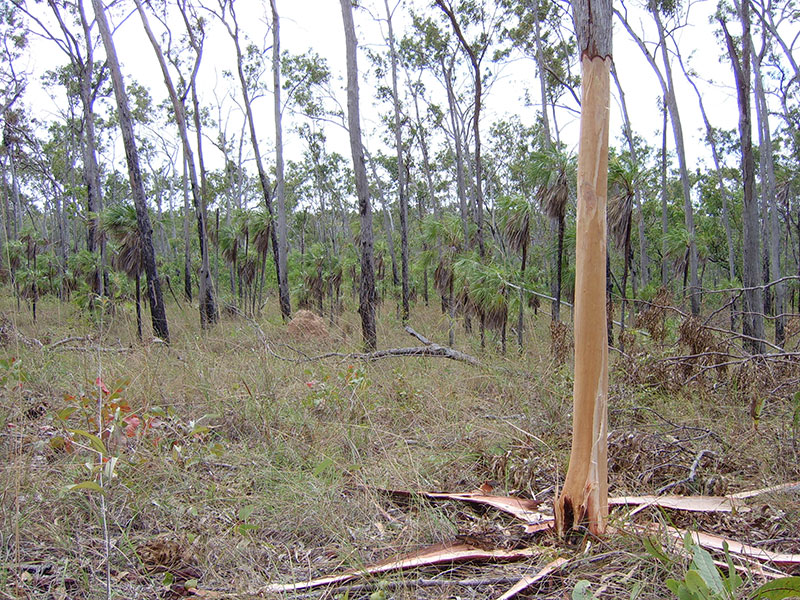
(231, 469)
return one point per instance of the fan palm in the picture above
(551, 171)
(518, 213)
(447, 232)
(622, 176)
(118, 222)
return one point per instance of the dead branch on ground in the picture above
(429, 349)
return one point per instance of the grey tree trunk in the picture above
(711, 138)
(447, 72)
(401, 171)
(367, 292)
(280, 192)
(263, 178)
(665, 276)
(677, 131)
(753, 317)
(667, 87)
(91, 173)
(768, 197)
(157, 309)
(187, 244)
(208, 310)
(476, 116)
(637, 190)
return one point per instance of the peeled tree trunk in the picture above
(585, 492)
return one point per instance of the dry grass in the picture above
(262, 470)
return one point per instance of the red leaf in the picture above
(99, 383)
(131, 423)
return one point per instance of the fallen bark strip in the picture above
(704, 504)
(529, 580)
(793, 486)
(746, 551)
(447, 553)
(429, 349)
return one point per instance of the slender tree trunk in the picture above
(768, 198)
(187, 245)
(476, 116)
(157, 309)
(263, 178)
(753, 317)
(665, 275)
(401, 171)
(677, 131)
(94, 194)
(585, 492)
(367, 293)
(521, 318)
(457, 136)
(208, 309)
(280, 192)
(644, 266)
(138, 308)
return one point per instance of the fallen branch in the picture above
(429, 349)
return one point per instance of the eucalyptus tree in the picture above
(740, 57)
(78, 41)
(768, 188)
(429, 48)
(208, 310)
(711, 140)
(585, 491)
(250, 69)
(488, 20)
(402, 185)
(13, 81)
(280, 191)
(157, 309)
(367, 298)
(666, 82)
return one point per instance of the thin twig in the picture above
(692, 472)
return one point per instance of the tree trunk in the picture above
(280, 192)
(367, 292)
(585, 492)
(263, 178)
(677, 131)
(768, 198)
(94, 195)
(208, 310)
(665, 275)
(157, 309)
(637, 190)
(187, 244)
(753, 317)
(401, 171)
(476, 115)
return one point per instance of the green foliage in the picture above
(705, 581)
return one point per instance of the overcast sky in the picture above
(317, 24)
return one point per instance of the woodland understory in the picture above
(234, 469)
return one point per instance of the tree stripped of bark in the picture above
(585, 493)
(154, 296)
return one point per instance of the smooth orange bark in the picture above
(585, 493)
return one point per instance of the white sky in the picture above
(317, 24)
